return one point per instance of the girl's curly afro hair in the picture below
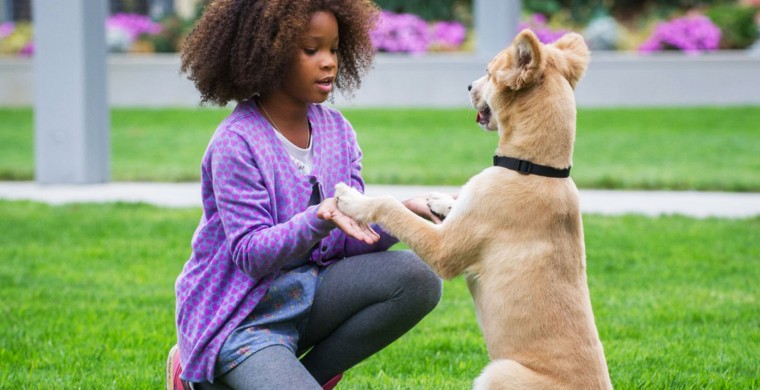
(240, 48)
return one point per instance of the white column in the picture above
(495, 25)
(71, 119)
(157, 9)
(185, 8)
(5, 11)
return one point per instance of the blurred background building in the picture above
(21, 10)
(645, 52)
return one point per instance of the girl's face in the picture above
(312, 76)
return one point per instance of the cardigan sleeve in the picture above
(259, 246)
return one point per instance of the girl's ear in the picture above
(525, 62)
(576, 55)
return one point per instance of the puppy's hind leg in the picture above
(506, 374)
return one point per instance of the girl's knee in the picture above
(420, 281)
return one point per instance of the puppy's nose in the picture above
(469, 87)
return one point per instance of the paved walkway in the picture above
(690, 203)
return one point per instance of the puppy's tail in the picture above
(508, 374)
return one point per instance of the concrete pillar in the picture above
(157, 9)
(185, 9)
(495, 25)
(5, 11)
(71, 119)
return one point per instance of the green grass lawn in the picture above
(668, 148)
(86, 301)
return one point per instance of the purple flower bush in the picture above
(121, 32)
(133, 25)
(27, 50)
(408, 33)
(405, 33)
(16, 39)
(538, 24)
(123, 29)
(6, 29)
(691, 34)
(448, 35)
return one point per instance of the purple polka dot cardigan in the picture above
(256, 218)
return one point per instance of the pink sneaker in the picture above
(330, 385)
(173, 370)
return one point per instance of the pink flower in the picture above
(408, 33)
(27, 50)
(400, 33)
(448, 34)
(133, 25)
(6, 29)
(691, 34)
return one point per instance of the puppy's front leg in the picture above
(444, 252)
(440, 204)
(358, 206)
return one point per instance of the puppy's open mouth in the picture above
(484, 116)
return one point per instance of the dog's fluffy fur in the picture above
(518, 238)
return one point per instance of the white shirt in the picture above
(301, 157)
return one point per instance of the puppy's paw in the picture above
(352, 203)
(343, 189)
(440, 204)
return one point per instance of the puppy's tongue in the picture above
(479, 117)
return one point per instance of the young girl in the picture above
(282, 291)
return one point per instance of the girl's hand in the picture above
(419, 206)
(328, 210)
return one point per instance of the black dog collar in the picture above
(528, 168)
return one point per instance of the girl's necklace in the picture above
(269, 118)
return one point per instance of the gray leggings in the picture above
(362, 304)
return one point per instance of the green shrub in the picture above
(737, 23)
(174, 30)
(583, 11)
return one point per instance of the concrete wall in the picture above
(615, 79)
(440, 80)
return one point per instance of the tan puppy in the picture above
(517, 236)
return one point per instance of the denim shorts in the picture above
(278, 319)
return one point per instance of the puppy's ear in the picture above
(525, 63)
(576, 54)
